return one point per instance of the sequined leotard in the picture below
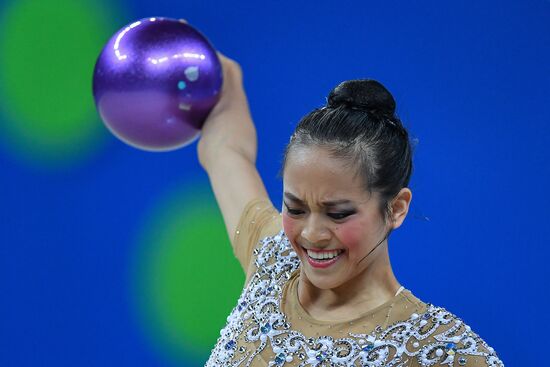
(268, 326)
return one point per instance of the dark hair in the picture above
(359, 126)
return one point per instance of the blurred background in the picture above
(111, 256)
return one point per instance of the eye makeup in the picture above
(328, 204)
(333, 215)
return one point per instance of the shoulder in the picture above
(439, 337)
(258, 220)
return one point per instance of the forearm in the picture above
(228, 147)
(235, 181)
(227, 138)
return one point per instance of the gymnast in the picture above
(320, 290)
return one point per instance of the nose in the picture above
(315, 231)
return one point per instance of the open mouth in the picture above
(323, 255)
(323, 259)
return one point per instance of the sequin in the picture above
(320, 357)
(367, 348)
(258, 323)
(230, 345)
(280, 359)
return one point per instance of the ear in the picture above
(400, 207)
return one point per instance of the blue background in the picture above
(471, 80)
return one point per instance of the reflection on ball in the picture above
(155, 83)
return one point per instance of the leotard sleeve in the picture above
(258, 220)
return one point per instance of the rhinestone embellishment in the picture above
(257, 326)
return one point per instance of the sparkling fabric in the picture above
(261, 330)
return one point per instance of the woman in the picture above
(320, 290)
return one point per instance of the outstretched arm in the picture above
(227, 149)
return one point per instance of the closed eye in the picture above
(336, 216)
(293, 211)
(339, 215)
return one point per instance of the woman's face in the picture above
(330, 219)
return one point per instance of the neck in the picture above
(371, 288)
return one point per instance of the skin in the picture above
(356, 281)
(227, 150)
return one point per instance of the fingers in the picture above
(222, 57)
(230, 66)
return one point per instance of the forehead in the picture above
(311, 173)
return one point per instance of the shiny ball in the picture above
(155, 82)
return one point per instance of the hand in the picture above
(229, 124)
(232, 95)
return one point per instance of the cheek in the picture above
(289, 225)
(350, 234)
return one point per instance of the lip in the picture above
(324, 264)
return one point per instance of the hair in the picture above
(359, 126)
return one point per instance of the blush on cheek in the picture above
(350, 233)
(288, 225)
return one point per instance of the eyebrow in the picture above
(330, 203)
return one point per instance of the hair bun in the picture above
(362, 94)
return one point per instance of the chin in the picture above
(325, 282)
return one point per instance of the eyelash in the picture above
(335, 216)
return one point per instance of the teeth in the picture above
(324, 255)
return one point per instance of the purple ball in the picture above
(155, 82)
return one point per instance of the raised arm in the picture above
(227, 149)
